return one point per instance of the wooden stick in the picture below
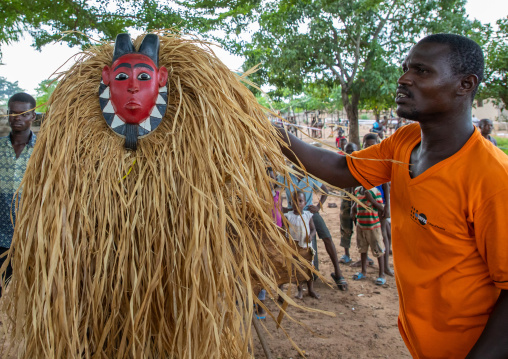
(262, 339)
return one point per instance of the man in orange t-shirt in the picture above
(449, 201)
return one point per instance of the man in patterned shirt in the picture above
(15, 150)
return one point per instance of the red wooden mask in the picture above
(133, 93)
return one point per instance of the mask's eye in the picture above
(144, 76)
(121, 76)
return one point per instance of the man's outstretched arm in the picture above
(493, 343)
(325, 165)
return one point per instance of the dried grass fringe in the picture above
(163, 263)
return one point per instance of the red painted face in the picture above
(134, 83)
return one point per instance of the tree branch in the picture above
(343, 74)
(357, 58)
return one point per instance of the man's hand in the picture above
(313, 209)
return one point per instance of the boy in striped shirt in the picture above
(368, 230)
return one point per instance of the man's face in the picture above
(134, 83)
(486, 127)
(19, 119)
(428, 86)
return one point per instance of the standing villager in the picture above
(448, 217)
(15, 151)
(486, 127)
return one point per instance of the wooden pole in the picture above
(262, 338)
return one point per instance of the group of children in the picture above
(371, 218)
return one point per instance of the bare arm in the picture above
(386, 190)
(326, 165)
(312, 228)
(324, 196)
(380, 208)
(493, 343)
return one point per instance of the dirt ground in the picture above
(365, 322)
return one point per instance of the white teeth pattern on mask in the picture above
(146, 125)
(156, 113)
(105, 93)
(117, 122)
(109, 108)
(160, 100)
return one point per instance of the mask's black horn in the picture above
(123, 45)
(150, 47)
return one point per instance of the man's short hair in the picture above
(22, 97)
(483, 121)
(466, 56)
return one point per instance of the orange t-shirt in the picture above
(450, 239)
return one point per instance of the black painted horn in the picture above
(150, 47)
(123, 46)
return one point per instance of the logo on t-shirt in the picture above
(419, 217)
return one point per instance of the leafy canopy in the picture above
(339, 42)
(45, 20)
(7, 89)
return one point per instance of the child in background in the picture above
(370, 139)
(346, 222)
(277, 217)
(340, 136)
(368, 230)
(301, 228)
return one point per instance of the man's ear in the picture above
(105, 75)
(163, 76)
(467, 85)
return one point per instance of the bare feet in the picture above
(389, 272)
(314, 294)
(299, 295)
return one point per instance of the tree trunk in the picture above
(351, 107)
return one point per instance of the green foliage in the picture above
(299, 42)
(45, 20)
(44, 91)
(502, 143)
(7, 89)
(495, 45)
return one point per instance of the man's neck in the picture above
(20, 137)
(446, 137)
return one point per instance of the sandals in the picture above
(340, 281)
(359, 276)
(345, 259)
(381, 281)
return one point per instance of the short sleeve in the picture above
(314, 183)
(367, 165)
(491, 232)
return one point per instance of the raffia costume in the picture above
(152, 253)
